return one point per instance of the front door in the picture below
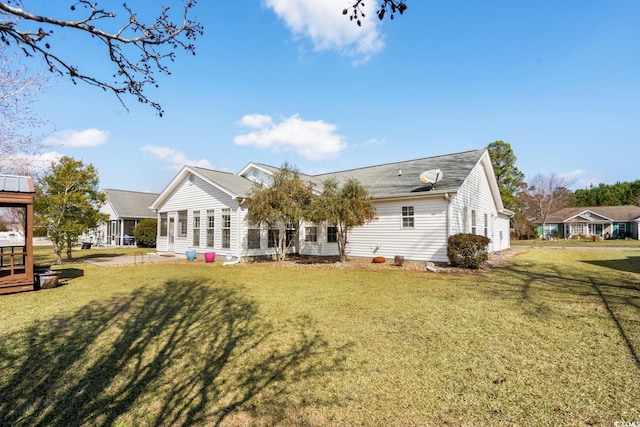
(599, 229)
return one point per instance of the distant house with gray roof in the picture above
(606, 222)
(205, 210)
(125, 210)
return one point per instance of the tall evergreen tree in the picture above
(510, 179)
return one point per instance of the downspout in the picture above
(238, 211)
(447, 197)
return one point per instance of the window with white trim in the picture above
(332, 234)
(163, 224)
(274, 236)
(407, 217)
(211, 222)
(474, 226)
(486, 225)
(196, 229)
(226, 228)
(182, 224)
(311, 234)
(253, 237)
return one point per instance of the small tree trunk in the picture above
(58, 251)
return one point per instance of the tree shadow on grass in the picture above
(620, 299)
(630, 264)
(181, 354)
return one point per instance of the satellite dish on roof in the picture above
(431, 176)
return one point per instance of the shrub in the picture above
(467, 250)
(145, 232)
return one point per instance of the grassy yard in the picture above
(551, 338)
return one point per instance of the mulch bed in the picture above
(495, 261)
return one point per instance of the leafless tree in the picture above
(136, 49)
(387, 6)
(544, 195)
(19, 127)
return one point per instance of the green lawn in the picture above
(552, 338)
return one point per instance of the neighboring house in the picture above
(205, 209)
(125, 210)
(606, 222)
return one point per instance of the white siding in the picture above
(385, 236)
(321, 247)
(475, 195)
(103, 228)
(198, 195)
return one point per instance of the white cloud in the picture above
(323, 23)
(313, 140)
(174, 159)
(78, 138)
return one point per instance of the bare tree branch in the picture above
(17, 90)
(137, 49)
(393, 6)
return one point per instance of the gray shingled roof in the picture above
(235, 184)
(616, 213)
(400, 179)
(16, 184)
(403, 178)
(131, 204)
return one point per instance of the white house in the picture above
(125, 210)
(419, 204)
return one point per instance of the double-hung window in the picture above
(332, 234)
(182, 224)
(408, 220)
(274, 236)
(486, 225)
(226, 228)
(474, 226)
(196, 229)
(163, 224)
(211, 222)
(253, 237)
(311, 234)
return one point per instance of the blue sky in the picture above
(295, 81)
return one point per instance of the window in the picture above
(253, 238)
(332, 234)
(407, 216)
(163, 224)
(486, 225)
(474, 225)
(311, 234)
(196, 229)
(622, 229)
(226, 228)
(290, 233)
(182, 224)
(211, 221)
(274, 236)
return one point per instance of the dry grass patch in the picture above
(551, 337)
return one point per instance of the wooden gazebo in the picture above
(16, 242)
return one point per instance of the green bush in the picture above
(467, 250)
(145, 232)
